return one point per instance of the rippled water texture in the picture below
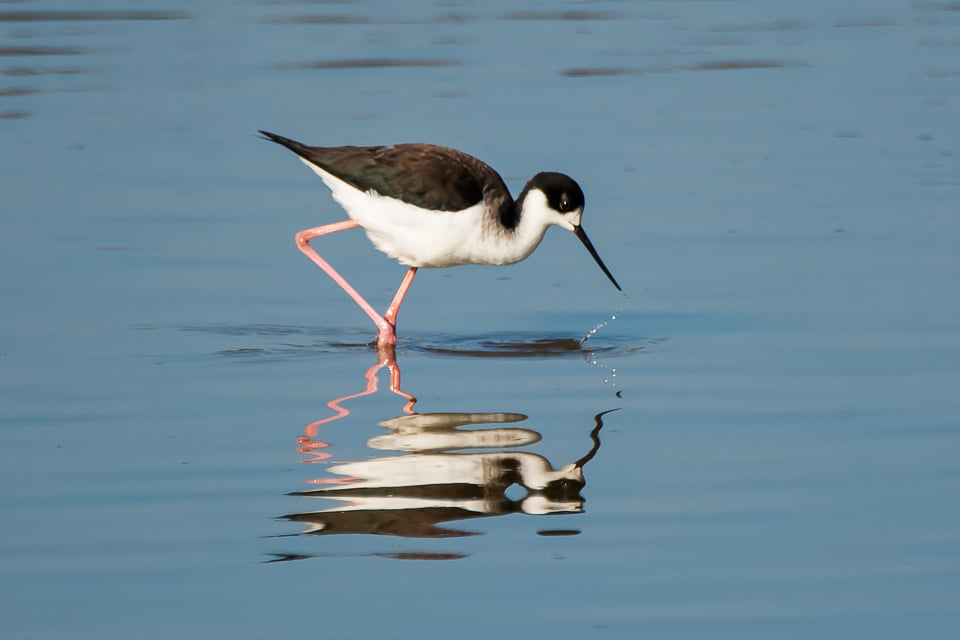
(758, 439)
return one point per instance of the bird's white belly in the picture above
(421, 238)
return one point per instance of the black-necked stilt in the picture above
(430, 206)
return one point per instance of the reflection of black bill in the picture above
(580, 233)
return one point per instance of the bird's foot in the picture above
(386, 335)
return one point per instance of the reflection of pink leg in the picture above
(386, 334)
(386, 357)
(310, 431)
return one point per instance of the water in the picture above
(759, 440)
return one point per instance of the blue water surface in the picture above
(758, 440)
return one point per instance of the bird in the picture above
(429, 206)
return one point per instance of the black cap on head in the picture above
(562, 192)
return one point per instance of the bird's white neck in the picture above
(534, 218)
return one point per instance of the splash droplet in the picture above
(611, 378)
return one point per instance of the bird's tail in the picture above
(298, 148)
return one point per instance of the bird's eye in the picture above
(564, 202)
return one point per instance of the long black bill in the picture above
(580, 233)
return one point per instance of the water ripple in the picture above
(90, 15)
(513, 345)
(269, 342)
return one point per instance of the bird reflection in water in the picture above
(433, 481)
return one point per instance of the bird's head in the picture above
(556, 199)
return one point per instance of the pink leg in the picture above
(386, 333)
(394, 308)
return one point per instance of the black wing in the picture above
(425, 175)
